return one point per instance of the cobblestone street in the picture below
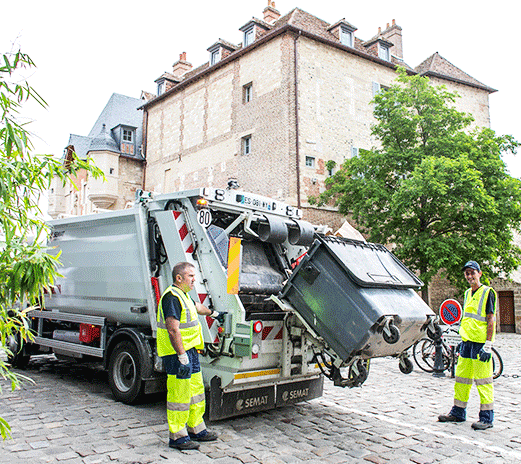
(69, 416)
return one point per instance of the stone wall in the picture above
(196, 136)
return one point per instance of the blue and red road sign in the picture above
(450, 312)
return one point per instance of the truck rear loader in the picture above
(301, 305)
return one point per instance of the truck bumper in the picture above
(222, 404)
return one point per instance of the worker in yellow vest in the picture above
(179, 336)
(477, 330)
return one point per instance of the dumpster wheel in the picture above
(358, 372)
(391, 334)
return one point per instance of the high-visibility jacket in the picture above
(474, 325)
(191, 330)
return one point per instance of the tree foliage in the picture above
(435, 189)
(26, 269)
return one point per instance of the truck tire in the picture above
(125, 368)
(19, 359)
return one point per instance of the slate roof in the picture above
(104, 142)
(437, 66)
(120, 110)
(81, 144)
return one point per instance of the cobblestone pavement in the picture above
(69, 416)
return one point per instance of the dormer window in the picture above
(249, 36)
(160, 88)
(346, 36)
(215, 56)
(252, 30)
(384, 52)
(127, 136)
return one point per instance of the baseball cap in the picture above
(472, 265)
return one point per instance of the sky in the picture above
(85, 51)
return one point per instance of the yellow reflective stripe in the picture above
(481, 305)
(485, 381)
(178, 406)
(182, 433)
(475, 316)
(460, 404)
(198, 428)
(246, 375)
(197, 399)
(234, 264)
(161, 324)
(187, 325)
(464, 380)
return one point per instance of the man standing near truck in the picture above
(179, 336)
(477, 330)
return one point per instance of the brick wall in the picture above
(195, 136)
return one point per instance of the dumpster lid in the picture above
(370, 264)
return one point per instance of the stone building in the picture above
(269, 113)
(115, 145)
(272, 111)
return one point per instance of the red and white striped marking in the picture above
(186, 240)
(188, 248)
(272, 332)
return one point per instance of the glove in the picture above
(184, 369)
(486, 352)
(219, 316)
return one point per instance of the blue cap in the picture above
(472, 265)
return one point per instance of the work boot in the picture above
(186, 445)
(482, 425)
(205, 435)
(449, 418)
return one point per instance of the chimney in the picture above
(182, 66)
(394, 35)
(270, 13)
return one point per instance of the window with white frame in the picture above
(215, 56)
(249, 36)
(127, 135)
(247, 93)
(346, 36)
(384, 52)
(246, 145)
(310, 161)
(160, 88)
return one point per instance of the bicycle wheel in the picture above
(497, 363)
(423, 352)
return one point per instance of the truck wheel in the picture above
(19, 358)
(125, 373)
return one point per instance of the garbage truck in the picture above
(301, 305)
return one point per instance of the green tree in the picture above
(435, 190)
(26, 270)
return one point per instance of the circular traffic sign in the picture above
(204, 217)
(450, 312)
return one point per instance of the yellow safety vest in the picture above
(191, 330)
(474, 325)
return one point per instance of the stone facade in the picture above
(195, 138)
(273, 114)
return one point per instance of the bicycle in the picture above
(424, 353)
